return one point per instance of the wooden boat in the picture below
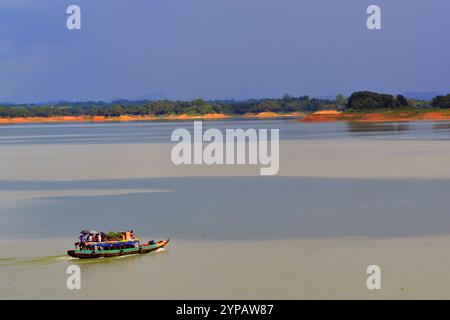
(93, 250)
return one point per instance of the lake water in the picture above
(140, 132)
(242, 237)
(237, 208)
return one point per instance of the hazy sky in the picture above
(220, 48)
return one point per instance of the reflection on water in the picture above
(386, 127)
(441, 126)
(156, 132)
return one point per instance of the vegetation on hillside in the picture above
(441, 101)
(372, 100)
(165, 107)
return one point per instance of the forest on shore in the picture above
(357, 101)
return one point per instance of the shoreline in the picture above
(129, 118)
(319, 116)
(374, 117)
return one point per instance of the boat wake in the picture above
(34, 260)
(55, 259)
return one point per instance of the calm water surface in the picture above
(129, 132)
(238, 208)
(222, 208)
(202, 215)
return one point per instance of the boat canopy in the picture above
(88, 232)
(107, 245)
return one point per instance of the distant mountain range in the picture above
(416, 95)
(153, 96)
(160, 95)
(422, 95)
(156, 95)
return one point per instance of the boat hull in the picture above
(93, 254)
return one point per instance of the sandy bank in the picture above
(331, 116)
(126, 118)
(262, 115)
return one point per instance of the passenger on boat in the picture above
(82, 241)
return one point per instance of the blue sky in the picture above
(184, 49)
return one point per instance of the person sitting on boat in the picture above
(82, 241)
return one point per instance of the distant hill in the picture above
(153, 96)
(423, 95)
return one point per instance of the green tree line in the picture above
(361, 100)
